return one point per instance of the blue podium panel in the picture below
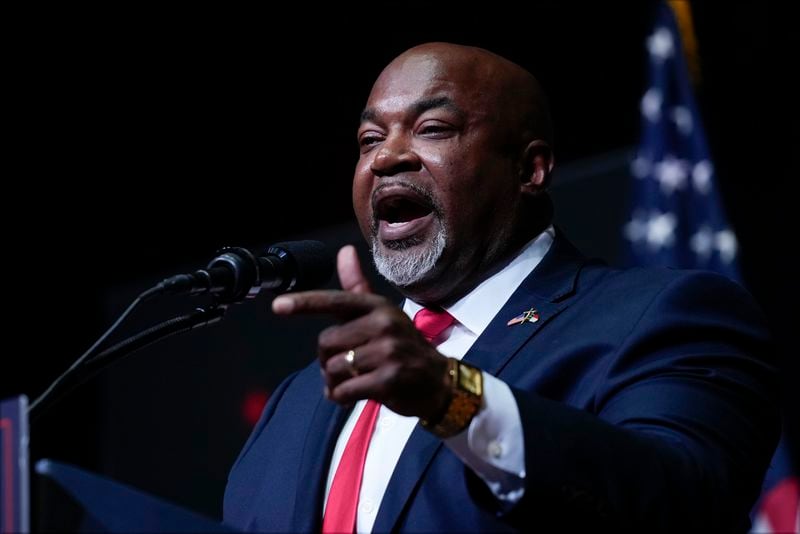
(109, 506)
(14, 489)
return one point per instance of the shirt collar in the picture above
(477, 308)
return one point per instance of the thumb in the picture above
(350, 274)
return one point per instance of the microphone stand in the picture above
(90, 363)
(235, 274)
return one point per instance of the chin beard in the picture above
(406, 262)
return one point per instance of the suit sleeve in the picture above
(681, 429)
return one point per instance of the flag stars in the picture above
(636, 229)
(701, 176)
(660, 44)
(682, 118)
(705, 241)
(702, 243)
(672, 174)
(641, 167)
(651, 104)
(657, 229)
(661, 230)
(726, 245)
(676, 217)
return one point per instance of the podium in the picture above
(71, 499)
(14, 488)
(80, 501)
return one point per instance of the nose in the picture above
(395, 155)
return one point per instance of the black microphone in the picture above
(237, 273)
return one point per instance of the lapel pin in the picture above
(530, 316)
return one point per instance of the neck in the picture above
(445, 288)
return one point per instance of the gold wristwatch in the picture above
(466, 383)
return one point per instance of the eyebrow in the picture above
(419, 107)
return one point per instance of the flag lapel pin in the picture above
(530, 316)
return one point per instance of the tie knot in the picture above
(432, 322)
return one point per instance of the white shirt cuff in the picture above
(493, 445)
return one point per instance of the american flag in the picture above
(677, 219)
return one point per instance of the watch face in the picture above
(469, 378)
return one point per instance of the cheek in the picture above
(479, 201)
(362, 194)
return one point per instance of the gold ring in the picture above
(350, 358)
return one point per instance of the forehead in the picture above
(414, 78)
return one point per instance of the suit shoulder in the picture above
(660, 279)
(294, 386)
(662, 276)
(661, 289)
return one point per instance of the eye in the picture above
(367, 140)
(436, 130)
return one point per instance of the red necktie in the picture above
(431, 323)
(340, 512)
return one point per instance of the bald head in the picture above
(508, 92)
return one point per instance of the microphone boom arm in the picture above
(76, 376)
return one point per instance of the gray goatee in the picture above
(408, 264)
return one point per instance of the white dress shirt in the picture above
(493, 444)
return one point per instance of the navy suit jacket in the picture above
(646, 398)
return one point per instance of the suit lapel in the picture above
(500, 342)
(323, 430)
(547, 290)
(417, 455)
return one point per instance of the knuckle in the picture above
(384, 322)
(379, 301)
(327, 338)
(329, 366)
(340, 298)
(388, 374)
(389, 345)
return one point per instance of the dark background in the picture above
(142, 140)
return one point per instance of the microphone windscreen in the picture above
(313, 262)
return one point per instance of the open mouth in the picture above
(401, 212)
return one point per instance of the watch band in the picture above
(466, 383)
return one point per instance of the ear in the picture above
(537, 164)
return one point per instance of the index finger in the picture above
(327, 301)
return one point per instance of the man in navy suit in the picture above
(520, 386)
